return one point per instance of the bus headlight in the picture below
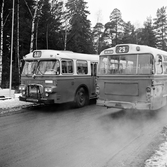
(50, 89)
(22, 87)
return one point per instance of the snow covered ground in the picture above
(12, 104)
(158, 159)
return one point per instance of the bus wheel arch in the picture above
(81, 96)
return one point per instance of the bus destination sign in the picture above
(122, 49)
(37, 54)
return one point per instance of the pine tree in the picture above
(49, 25)
(147, 34)
(97, 36)
(129, 33)
(160, 24)
(80, 36)
(118, 25)
(108, 35)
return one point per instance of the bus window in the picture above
(165, 64)
(123, 64)
(29, 67)
(82, 67)
(103, 65)
(165, 67)
(126, 64)
(48, 67)
(144, 64)
(67, 66)
(93, 69)
(158, 64)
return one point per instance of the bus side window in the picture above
(64, 67)
(67, 66)
(159, 64)
(82, 67)
(165, 67)
(93, 69)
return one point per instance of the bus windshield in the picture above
(126, 64)
(29, 67)
(41, 67)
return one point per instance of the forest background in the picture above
(53, 24)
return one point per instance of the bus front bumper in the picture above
(124, 105)
(41, 100)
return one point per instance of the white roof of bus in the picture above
(133, 50)
(55, 54)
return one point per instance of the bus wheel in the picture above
(81, 97)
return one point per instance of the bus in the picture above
(132, 76)
(54, 77)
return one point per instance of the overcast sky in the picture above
(135, 11)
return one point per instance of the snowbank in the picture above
(159, 158)
(13, 104)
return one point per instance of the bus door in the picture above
(158, 93)
(66, 81)
(93, 78)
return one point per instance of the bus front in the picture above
(38, 78)
(124, 77)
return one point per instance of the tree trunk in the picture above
(18, 51)
(36, 36)
(33, 25)
(1, 48)
(47, 44)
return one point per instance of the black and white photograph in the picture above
(83, 83)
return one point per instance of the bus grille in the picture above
(34, 91)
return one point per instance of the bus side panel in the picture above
(65, 89)
(83, 81)
(68, 85)
(92, 90)
(159, 95)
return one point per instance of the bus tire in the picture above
(81, 97)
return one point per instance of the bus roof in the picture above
(56, 54)
(132, 49)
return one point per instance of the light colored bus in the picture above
(132, 76)
(51, 76)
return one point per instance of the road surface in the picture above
(92, 136)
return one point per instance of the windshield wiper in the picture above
(39, 71)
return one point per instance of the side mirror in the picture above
(21, 62)
(159, 59)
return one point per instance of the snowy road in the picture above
(87, 137)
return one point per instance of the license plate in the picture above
(118, 105)
(34, 90)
